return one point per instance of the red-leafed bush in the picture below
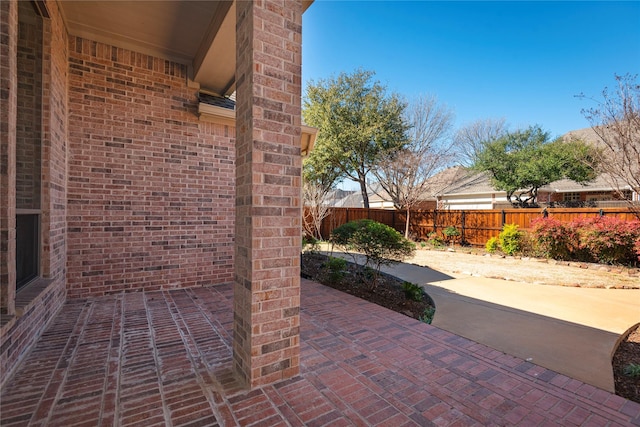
(608, 240)
(603, 239)
(552, 238)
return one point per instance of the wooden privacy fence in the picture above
(475, 226)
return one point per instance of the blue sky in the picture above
(521, 61)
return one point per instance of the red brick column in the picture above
(8, 114)
(268, 180)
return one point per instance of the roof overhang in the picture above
(199, 34)
(227, 116)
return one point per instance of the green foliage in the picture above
(523, 161)
(380, 244)
(632, 370)
(435, 240)
(451, 233)
(310, 243)
(357, 121)
(337, 268)
(492, 245)
(427, 316)
(510, 239)
(412, 291)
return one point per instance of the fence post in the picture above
(435, 220)
(462, 218)
(504, 217)
(347, 216)
(601, 213)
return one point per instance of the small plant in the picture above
(492, 245)
(451, 233)
(427, 316)
(310, 243)
(424, 244)
(435, 240)
(412, 291)
(510, 239)
(632, 370)
(337, 268)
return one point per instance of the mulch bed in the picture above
(628, 352)
(387, 292)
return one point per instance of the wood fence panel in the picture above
(476, 226)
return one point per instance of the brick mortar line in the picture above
(152, 337)
(77, 332)
(187, 339)
(116, 407)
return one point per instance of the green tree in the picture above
(523, 161)
(357, 121)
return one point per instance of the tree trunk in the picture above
(363, 190)
(406, 226)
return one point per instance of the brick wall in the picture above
(8, 108)
(268, 217)
(31, 310)
(151, 188)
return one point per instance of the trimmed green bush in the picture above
(492, 245)
(379, 243)
(337, 268)
(510, 239)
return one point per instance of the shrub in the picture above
(552, 238)
(492, 245)
(435, 240)
(412, 291)
(607, 239)
(510, 238)
(380, 244)
(337, 268)
(451, 233)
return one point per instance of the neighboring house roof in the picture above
(470, 182)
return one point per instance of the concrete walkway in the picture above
(573, 331)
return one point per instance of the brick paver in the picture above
(164, 358)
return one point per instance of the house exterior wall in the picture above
(26, 315)
(151, 188)
(137, 193)
(472, 201)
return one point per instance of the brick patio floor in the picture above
(164, 358)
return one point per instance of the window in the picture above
(571, 197)
(28, 143)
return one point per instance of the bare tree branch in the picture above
(616, 121)
(471, 139)
(405, 174)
